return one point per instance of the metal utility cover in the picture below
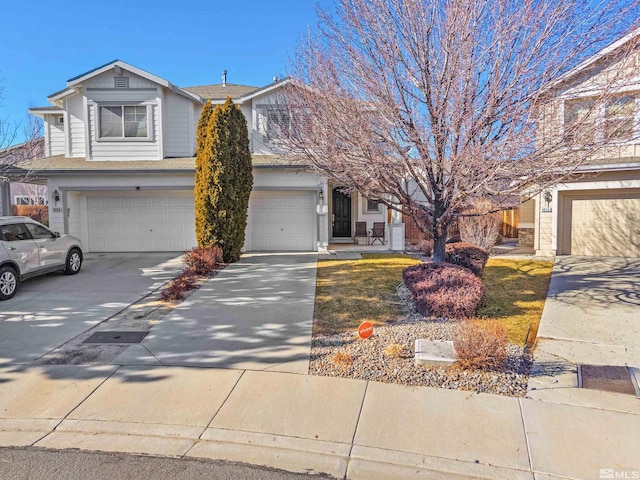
(608, 378)
(116, 337)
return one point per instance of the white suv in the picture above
(28, 249)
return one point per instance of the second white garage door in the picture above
(602, 223)
(149, 222)
(282, 221)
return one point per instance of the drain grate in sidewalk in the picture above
(112, 336)
(606, 377)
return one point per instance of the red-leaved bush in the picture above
(439, 289)
(467, 255)
(181, 284)
(203, 260)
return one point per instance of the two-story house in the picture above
(597, 211)
(119, 162)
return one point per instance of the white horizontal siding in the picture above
(55, 135)
(76, 126)
(178, 127)
(124, 150)
(106, 80)
(121, 95)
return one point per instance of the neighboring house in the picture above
(597, 212)
(20, 192)
(120, 148)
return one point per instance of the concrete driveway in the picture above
(592, 312)
(256, 314)
(50, 310)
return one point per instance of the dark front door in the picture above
(341, 214)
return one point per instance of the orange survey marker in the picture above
(365, 330)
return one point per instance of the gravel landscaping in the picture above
(346, 355)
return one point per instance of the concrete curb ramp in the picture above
(346, 428)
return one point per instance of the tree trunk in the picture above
(439, 242)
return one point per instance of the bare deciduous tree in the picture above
(12, 156)
(430, 105)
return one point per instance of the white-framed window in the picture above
(580, 121)
(60, 120)
(126, 121)
(373, 205)
(619, 116)
(29, 200)
(586, 121)
(275, 121)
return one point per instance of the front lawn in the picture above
(351, 291)
(515, 296)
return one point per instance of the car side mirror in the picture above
(56, 234)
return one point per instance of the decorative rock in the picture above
(437, 353)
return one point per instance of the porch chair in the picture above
(361, 231)
(377, 233)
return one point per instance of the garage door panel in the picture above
(602, 223)
(162, 221)
(282, 221)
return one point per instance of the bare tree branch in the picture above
(430, 105)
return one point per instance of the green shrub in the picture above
(223, 179)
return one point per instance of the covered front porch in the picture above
(352, 219)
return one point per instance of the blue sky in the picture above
(189, 43)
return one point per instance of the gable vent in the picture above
(122, 82)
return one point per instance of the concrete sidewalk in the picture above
(346, 428)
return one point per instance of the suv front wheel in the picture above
(8, 283)
(74, 262)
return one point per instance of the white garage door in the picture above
(602, 223)
(149, 222)
(282, 221)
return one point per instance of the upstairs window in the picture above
(275, 122)
(618, 118)
(579, 121)
(124, 122)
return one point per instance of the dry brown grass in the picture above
(349, 292)
(343, 359)
(515, 296)
(481, 346)
(395, 350)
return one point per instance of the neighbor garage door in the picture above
(149, 222)
(602, 223)
(282, 221)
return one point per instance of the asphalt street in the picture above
(39, 464)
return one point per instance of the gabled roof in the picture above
(75, 81)
(41, 111)
(594, 58)
(220, 91)
(266, 89)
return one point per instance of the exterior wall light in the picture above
(56, 195)
(321, 196)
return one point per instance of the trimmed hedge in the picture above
(467, 255)
(440, 289)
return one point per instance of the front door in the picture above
(341, 214)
